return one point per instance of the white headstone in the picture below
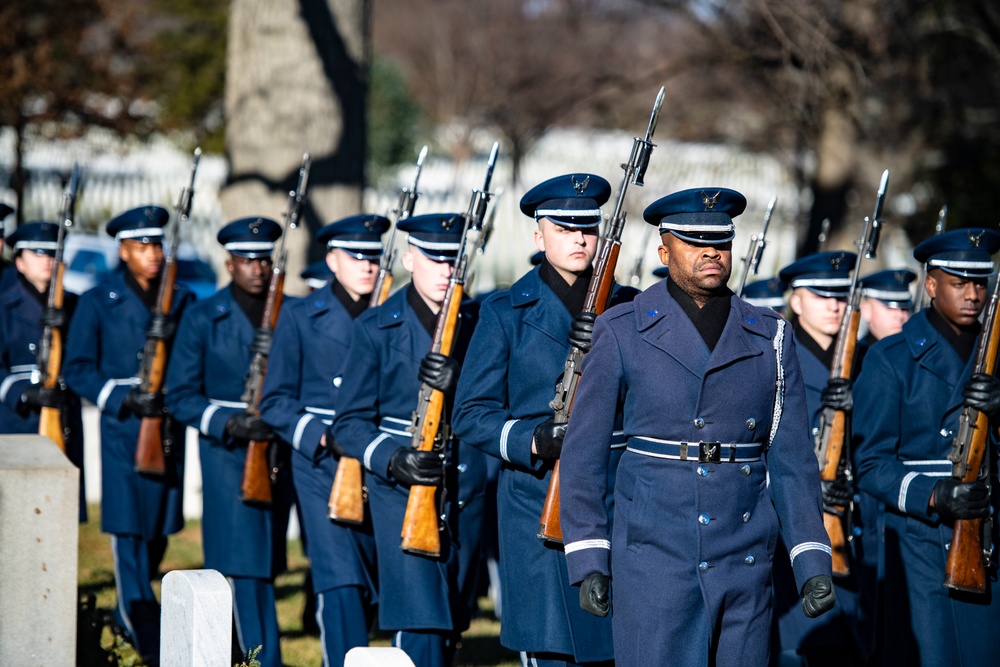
(39, 513)
(372, 656)
(196, 621)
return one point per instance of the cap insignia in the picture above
(975, 239)
(150, 213)
(580, 186)
(369, 223)
(710, 202)
(255, 226)
(835, 261)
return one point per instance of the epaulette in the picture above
(619, 310)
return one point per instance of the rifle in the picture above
(152, 448)
(824, 235)
(918, 303)
(479, 247)
(970, 549)
(421, 525)
(347, 499)
(255, 487)
(751, 263)
(50, 348)
(598, 296)
(831, 438)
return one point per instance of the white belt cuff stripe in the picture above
(9, 381)
(928, 462)
(239, 405)
(109, 386)
(903, 488)
(206, 418)
(299, 428)
(320, 411)
(24, 368)
(808, 546)
(405, 434)
(370, 450)
(394, 420)
(504, 434)
(587, 544)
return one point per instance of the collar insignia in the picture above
(710, 202)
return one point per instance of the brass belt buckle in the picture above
(710, 452)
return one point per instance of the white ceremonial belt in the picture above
(703, 452)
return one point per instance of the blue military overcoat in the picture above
(20, 334)
(815, 376)
(207, 375)
(692, 544)
(308, 353)
(376, 403)
(103, 360)
(514, 361)
(907, 403)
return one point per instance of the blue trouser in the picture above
(426, 648)
(342, 614)
(136, 562)
(256, 618)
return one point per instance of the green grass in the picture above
(480, 644)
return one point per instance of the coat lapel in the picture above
(545, 313)
(663, 324)
(735, 342)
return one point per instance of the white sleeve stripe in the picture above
(109, 386)
(808, 546)
(206, 418)
(903, 488)
(9, 381)
(504, 434)
(24, 368)
(370, 450)
(404, 422)
(587, 544)
(300, 427)
(320, 411)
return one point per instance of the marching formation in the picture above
(678, 476)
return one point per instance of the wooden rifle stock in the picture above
(965, 569)
(421, 532)
(149, 455)
(50, 421)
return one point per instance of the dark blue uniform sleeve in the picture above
(585, 457)
(186, 398)
(81, 368)
(793, 474)
(13, 381)
(482, 417)
(356, 426)
(281, 405)
(877, 425)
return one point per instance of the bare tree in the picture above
(296, 82)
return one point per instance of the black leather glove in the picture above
(143, 404)
(53, 317)
(439, 372)
(837, 395)
(161, 327)
(581, 331)
(595, 594)
(412, 467)
(38, 396)
(961, 500)
(836, 493)
(982, 392)
(549, 439)
(818, 596)
(261, 341)
(244, 426)
(333, 445)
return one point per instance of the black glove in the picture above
(244, 426)
(412, 467)
(38, 396)
(439, 372)
(961, 500)
(161, 327)
(982, 392)
(836, 493)
(581, 331)
(53, 317)
(143, 404)
(595, 594)
(837, 395)
(261, 341)
(818, 596)
(549, 439)
(333, 445)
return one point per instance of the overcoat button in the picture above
(704, 520)
(703, 471)
(703, 566)
(746, 517)
(699, 422)
(745, 469)
(749, 560)
(751, 423)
